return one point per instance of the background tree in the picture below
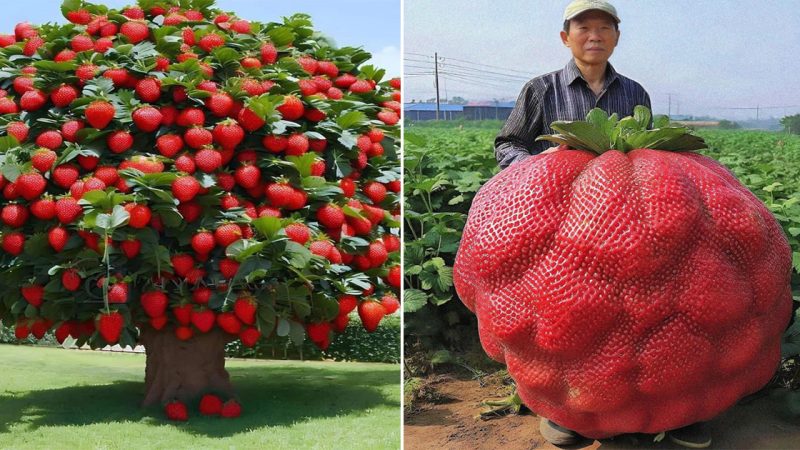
(177, 176)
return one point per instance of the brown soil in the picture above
(184, 370)
(446, 416)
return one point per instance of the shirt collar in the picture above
(570, 73)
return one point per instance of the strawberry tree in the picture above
(176, 176)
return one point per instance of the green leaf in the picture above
(268, 226)
(298, 255)
(70, 5)
(283, 327)
(642, 116)
(281, 36)
(297, 333)
(119, 216)
(352, 119)
(243, 248)
(413, 300)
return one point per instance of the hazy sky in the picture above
(710, 55)
(371, 24)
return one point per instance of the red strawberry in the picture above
(80, 16)
(345, 80)
(228, 268)
(14, 215)
(208, 160)
(33, 294)
(67, 210)
(147, 118)
(169, 144)
(298, 232)
(251, 63)
(220, 104)
(388, 117)
(31, 185)
(135, 31)
(185, 163)
(375, 135)
(203, 242)
(32, 100)
(63, 331)
(340, 323)
(297, 144)
(140, 215)
(247, 176)
(211, 41)
(391, 242)
(108, 174)
(176, 410)
(58, 237)
(274, 144)
(198, 137)
(330, 216)
(201, 295)
(119, 76)
(109, 325)
(18, 130)
(63, 95)
(69, 130)
(86, 72)
(245, 309)
(103, 44)
(292, 108)
(231, 408)
(371, 313)
(185, 188)
(44, 208)
(318, 332)
(182, 264)
(159, 322)
(347, 303)
(249, 120)
(154, 303)
(279, 194)
(241, 26)
(229, 323)
(191, 117)
(118, 292)
(249, 336)
(43, 159)
(13, 242)
(307, 87)
(190, 211)
(360, 87)
(394, 276)
(269, 54)
(296, 200)
(183, 313)
(65, 175)
(49, 139)
(348, 186)
(227, 234)
(210, 405)
(71, 280)
(184, 333)
(321, 248)
(377, 253)
(375, 191)
(148, 89)
(203, 320)
(130, 247)
(228, 134)
(395, 83)
(99, 114)
(119, 141)
(390, 303)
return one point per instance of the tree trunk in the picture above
(184, 370)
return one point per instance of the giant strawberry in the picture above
(627, 287)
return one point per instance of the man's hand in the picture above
(551, 150)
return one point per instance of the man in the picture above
(591, 32)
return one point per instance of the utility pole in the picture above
(436, 73)
(669, 108)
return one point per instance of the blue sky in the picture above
(371, 24)
(710, 56)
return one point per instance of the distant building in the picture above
(427, 111)
(488, 110)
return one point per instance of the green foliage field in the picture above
(446, 163)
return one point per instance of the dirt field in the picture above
(448, 420)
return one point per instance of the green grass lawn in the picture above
(55, 398)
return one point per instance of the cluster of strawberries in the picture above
(208, 131)
(210, 405)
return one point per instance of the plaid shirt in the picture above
(561, 95)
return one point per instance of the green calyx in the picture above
(601, 132)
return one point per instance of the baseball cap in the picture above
(578, 7)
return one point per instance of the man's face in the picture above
(592, 37)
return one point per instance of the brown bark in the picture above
(184, 370)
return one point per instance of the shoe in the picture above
(695, 435)
(558, 435)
